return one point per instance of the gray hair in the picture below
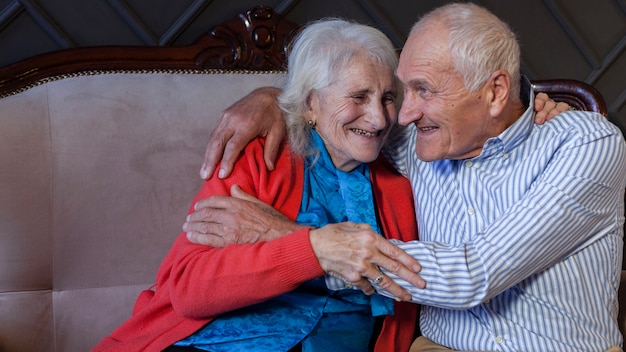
(479, 43)
(317, 55)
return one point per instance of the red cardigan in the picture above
(196, 283)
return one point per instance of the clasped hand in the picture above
(349, 251)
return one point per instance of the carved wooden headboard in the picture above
(254, 40)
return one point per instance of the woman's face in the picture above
(355, 114)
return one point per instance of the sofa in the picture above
(100, 151)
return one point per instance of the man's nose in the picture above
(410, 111)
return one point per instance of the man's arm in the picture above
(564, 206)
(257, 114)
(218, 221)
(351, 252)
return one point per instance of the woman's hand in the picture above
(547, 108)
(354, 253)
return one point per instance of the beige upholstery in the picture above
(97, 173)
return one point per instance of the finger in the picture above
(272, 144)
(208, 166)
(205, 239)
(207, 216)
(201, 227)
(377, 280)
(395, 255)
(214, 203)
(559, 108)
(387, 284)
(361, 284)
(400, 264)
(213, 155)
(549, 105)
(540, 117)
(540, 101)
(365, 286)
(237, 192)
(231, 153)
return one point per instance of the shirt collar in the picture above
(518, 131)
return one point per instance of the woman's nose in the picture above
(377, 116)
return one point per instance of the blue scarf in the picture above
(314, 315)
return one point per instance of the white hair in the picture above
(317, 55)
(479, 43)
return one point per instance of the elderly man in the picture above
(520, 224)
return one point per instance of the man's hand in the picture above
(354, 253)
(220, 220)
(547, 108)
(257, 114)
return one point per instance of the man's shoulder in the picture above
(581, 122)
(578, 118)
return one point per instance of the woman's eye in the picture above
(359, 98)
(389, 99)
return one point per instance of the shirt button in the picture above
(468, 164)
(499, 340)
(470, 211)
(505, 156)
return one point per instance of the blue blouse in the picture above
(319, 318)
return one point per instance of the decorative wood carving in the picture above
(255, 40)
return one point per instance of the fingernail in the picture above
(222, 173)
(188, 235)
(188, 218)
(185, 227)
(204, 174)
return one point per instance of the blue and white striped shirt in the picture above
(521, 246)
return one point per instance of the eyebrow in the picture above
(418, 82)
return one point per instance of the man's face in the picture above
(451, 122)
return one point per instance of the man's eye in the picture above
(424, 92)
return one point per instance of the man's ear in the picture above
(498, 91)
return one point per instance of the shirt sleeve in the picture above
(573, 203)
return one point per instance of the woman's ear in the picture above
(308, 102)
(312, 104)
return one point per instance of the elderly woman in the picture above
(272, 295)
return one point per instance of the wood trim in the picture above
(255, 40)
(577, 94)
